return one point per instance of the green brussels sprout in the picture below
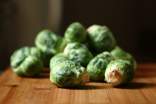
(119, 72)
(26, 61)
(68, 74)
(58, 58)
(49, 43)
(75, 33)
(78, 53)
(119, 53)
(100, 38)
(97, 66)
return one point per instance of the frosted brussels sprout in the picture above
(49, 43)
(68, 74)
(97, 66)
(119, 53)
(26, 61)
(75, 33)
(58, 58)
(78, 53)
(119, 72)
(101, 38)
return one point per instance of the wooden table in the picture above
(17, 90)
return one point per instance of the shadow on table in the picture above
(132, 85)
(92, 86)
(44, 74)
(137, 85)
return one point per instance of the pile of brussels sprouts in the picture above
(82, 55)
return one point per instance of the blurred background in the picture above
(133, 23)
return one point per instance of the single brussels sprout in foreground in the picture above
(78, 53)
(119, 53)
(26, 61)
(119, 72)
(97, 66)
(49, 43)
(58, 58)
(68, 74)
(101, 38)
(75, 33)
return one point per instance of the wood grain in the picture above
(17, 90)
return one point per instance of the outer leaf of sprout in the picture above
(97, 66)
(26, 61)
(68, 74)
(119, 53)
(57, 59)
(78, 53)
(100, 38)
(49, 43)
(75, 33)
(119, 72)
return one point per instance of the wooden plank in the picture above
(17, 90)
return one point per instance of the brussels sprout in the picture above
(101, 38)
(26, 61)
(49, 43)
(59, 58)
(119, 72)
(75, 33)
(97, 66)
(68, 74)
(119, 53)
(78, 53)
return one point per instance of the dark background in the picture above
(133, 23)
